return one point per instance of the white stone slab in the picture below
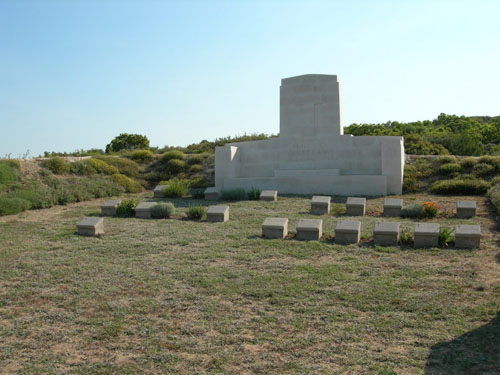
(426, 235)
(466, 209)
(386, 233)
(355, 206)
(90, 226)
(275, 227)
(143, 210)
(158, 191)
(347, 232)
(320, 205)
(218, 213)
(269, 195)
(467, 236)
(309, 229)
(392, 207)
(109, 207)
(212, 193)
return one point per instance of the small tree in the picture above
(127, 142)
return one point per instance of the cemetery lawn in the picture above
(183, 297)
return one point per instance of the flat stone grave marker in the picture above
(355, 206)
(218, 213)
(143, 210)
(90, 226)
(275, 227)
(392, 207)
(158, 191)
(212, 193)
(309, 229)
(320, 205)
(269, 195)
(466, 209)
(467, 236)
(426, 235)
(109, 207)
(347, 232)
(386, 233)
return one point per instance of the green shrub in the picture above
(102, 167)
(82, 168)
(175, 166)
(456, 186)
(446, 159)
(253, 194)
(448, 169)
(57, 165)
(16, 164)
(196, 159)
(410, 181)
(468, 163)
(491, 160)
(126, 208)
(483, 170)
(195, 212)
(127, 183)
(430, 209)
(198, 181)
(125, 166)
(233, 194)
(172, 155)
(412, 210)
(162, 210)
(8, 175)
(11, 206)
(494, 196)
(445, 236)
(424, 168)
(177, 188)
(406, 237)
(195, 168)
(495, 181)
(141, 156)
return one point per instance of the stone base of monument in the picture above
(218, 213)
(347, 232)
(143, 210)
(392, 207)
(90, 226)
(212, 193)
(320, 205)
(386, 234)
(467, 236)
(269, 195)
(109, 207)
(426, 235)
(158, 191)
(275, 227)
(355, 206)
(466, 209)
(309, 229)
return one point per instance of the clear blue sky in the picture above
(74, 74)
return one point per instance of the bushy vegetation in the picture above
(57, 165)
(162, 210)
(460, 186)
(233, 194)
(483, 170)
(448, 134)
(494, 196)
(11, 206)
(445, 236)
(195, 168)
(172, 155)
(8, 175)
(195, 212)
(468, 163)
(174, 166)
(413, 174)
(125, 166)
(449, 169)
(126, 141)
(412, 210)
(130, 185)
(253, 194)
(177, 188)
(141, 156)
(447, 159)
(196, 159)
(126, 208)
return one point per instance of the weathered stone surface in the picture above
(309, 229)
(311, 155)
(426, 235)
(218, 213)
(90, 226)
(320, 205)
(212, 193)
(355, 206)
(392, 207)
(386, 233)
(143, 210)
(158, 191)
(468, 236)
(347, 232)
(466, 209)
(275, 227)
(109, 207)
(269, 195)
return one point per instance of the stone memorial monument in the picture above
(311, 154)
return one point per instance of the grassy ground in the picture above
(182, 297)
